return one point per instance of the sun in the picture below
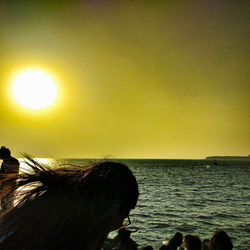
(34, 90)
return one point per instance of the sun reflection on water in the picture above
(24, 167)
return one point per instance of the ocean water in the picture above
(189, 197)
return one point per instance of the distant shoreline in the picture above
(209, 158)
(229, 158)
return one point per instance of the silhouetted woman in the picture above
(221, 241)
(68, 208)
(192, 242)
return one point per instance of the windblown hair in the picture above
(67, 208)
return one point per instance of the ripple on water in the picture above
(185, 227)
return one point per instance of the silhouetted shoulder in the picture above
(14, 161)
(10, 166)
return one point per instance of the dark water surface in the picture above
(186, 196)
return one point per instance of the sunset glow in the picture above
(155, 79)
(34, 90)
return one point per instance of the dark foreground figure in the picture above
(192, 242)
(9, 167)
(124, 240)
(69, 208)
(220, 241)
(173, 243)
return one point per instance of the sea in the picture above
(187, 196)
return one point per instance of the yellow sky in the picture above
(150, 80)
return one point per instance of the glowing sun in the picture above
(34, 90)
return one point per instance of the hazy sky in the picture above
(141, 79)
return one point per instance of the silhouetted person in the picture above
(9, 171)
(206, 244)
(173, 243)
(192, 242)
(221, 241)
(68, 208)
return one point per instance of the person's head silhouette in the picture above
(221, 241)
(69, 208)
(4, 153)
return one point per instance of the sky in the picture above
(136, 79)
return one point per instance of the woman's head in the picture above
(192, 242)
(112, 189)
(72, 205)
(176, 240)
(220, 240)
